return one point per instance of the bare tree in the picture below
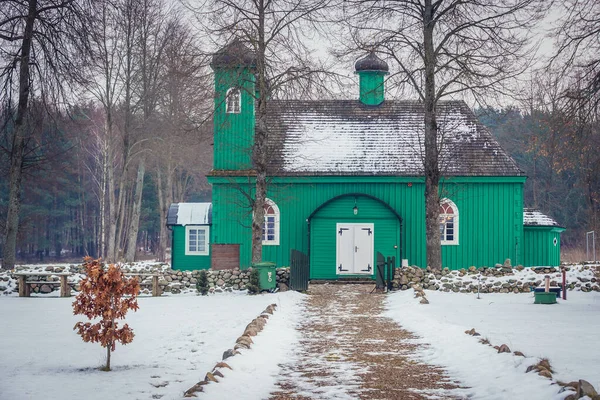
(182, 154)
(274, 29)
(38, 43)
(149, 52)
(445, 48)
(126, 51)
(577, 42)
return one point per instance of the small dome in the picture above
(371, 63)
(234, 55)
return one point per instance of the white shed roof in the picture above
(533, 217)
(190, 214)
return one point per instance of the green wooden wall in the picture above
(323, 236)
(491, 224)
(371, 87)
(491, 215)
(540, 250)
(233, 133)
(178, 258)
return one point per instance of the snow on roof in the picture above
(533, 217)
(190, 214)
(346, 137)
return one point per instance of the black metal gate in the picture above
(299, 271)
(384, 274)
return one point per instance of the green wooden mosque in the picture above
(346, 181)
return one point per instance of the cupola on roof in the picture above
(371, 63)
(234, 55)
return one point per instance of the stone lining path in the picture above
(348, 350)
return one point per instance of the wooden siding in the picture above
(323, 236)
(540, 250)
(233, 133)
(371, 87)
(490, 224)
(181, 261)
(491, 216)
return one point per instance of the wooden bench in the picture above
(156, 291)
(25, 285)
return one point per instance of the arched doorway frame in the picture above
(356, 194)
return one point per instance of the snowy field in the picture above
(178, 339)
(566, 333)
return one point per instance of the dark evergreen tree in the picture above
(202, 284)
(253, 285)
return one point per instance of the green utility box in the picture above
(545, 298)
(267, 275)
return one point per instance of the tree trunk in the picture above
(121, 213)
(162, 205)
(431, 164)
(18, 145)
(260, 141)
(134, 222)
(101, 237)
(112, 213)
(107, 368)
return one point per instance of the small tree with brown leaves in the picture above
(101, 296)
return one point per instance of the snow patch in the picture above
(565, 333)
(178, 339)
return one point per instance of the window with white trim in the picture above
(233, 101)
(196, 240)
(271, 226)
(448, 222)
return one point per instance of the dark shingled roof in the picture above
(371, 63)
(346, 137)
(172, 214)
(234, 55)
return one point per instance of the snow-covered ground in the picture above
(178, 339)
(566, 333)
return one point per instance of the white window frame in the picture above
(275, 241)
(206, 230)
(237, 106)
(455, 217)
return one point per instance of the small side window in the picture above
(233, 101)
(196, 240)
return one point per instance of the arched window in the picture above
(271, 226)
(448, 222)
(233, 101)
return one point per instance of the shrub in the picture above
(253, 285)
(102, 296)
(202, 283)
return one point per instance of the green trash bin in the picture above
(267, 275)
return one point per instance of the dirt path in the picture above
(349, 351)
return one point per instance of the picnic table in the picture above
(25, 285)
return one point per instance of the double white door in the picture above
(354, 252)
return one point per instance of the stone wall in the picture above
(503, 279)
(218, 280)
(170, 281)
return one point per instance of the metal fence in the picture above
(299, 271)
